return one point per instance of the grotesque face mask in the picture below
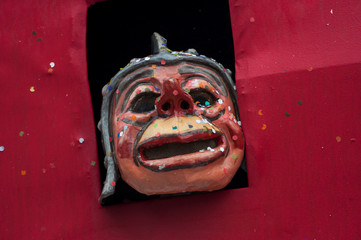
(170, 124)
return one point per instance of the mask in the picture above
(170, 124)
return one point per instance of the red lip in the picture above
(170, 152)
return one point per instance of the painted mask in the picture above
(170, 124)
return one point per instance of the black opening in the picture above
(118, 31)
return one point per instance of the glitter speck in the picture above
(52, 64)
(2, 148)
(220, 101)
(222, 149)
(161, 166)
(81, 140)
(32, 89)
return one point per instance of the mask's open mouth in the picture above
(165, 153)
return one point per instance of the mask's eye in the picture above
(202, 98)
(144, 102)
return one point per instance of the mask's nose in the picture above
(174, 100)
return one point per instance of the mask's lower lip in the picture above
(175, 152)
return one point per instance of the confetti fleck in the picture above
(117, 91)
(32, 89)
(110, 139)
(138, 91)
(252, 20)
(38, 39)
(157, 134)
(2, 148)
(52, 64)
(92, 163)
(234, 156)
(33, 32)
(229, 108)
(161, 166)
(125, 127)
(239, 123)
(155, 125)
(225, 170)
(299, 102)
(133, 118)
(206, 103)
(221, 149)
(174, 127)
(162, 62)
(112, 183)
(310, 69)
(338, 139)
(264, 126)
(190, 125)
(175, 92)
(50, 70)
(110, 88)
(287, 114)
(260, 112)
(23, 172)
(234, 137)
(21, 133)
(220, 101)
(331, 11)
(81, 140)
(154, 66)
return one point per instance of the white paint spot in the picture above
(331, 11)
(239, 123)
(213, 130)
(146, 58)
(52, 64)
(220, 101)
(81, 140)
(198, 121)
(229, 108)
(2, 148)
(222, 149)
(161, 166)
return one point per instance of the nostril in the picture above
(184, 105)
(166, 106)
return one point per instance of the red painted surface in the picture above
(298, 76)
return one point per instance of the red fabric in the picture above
(298, 76)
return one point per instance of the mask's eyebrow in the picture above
(194, 70)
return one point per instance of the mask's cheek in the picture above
(124, 136)
(232, 130)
